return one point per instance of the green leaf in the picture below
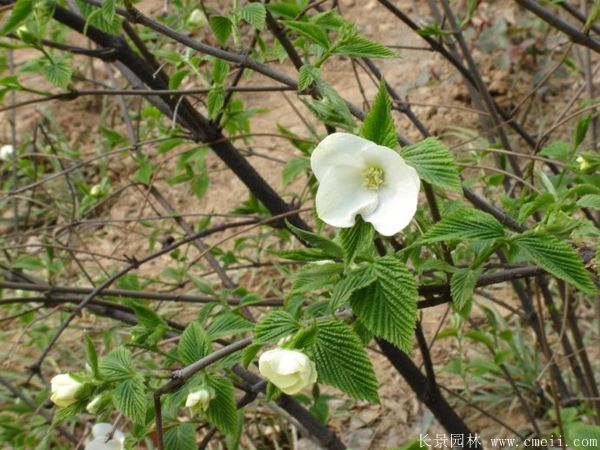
(228, 323)
(92, 356)
(361, 47)
(254, 14)
(581, 129)
(220, 70)
(181, 437)
(174, 83)
(19, 12)
(222, 411)
(116, 364)
(317, 241)
(309, 30)
(388, 306)
(434, 163)
(221, 27)
(130, 397)
(249, 353)
(558, 258)
(67, 412)
(465, 224)
(144, 173)
(109, 10)
(556, 150)
(28, 263)
(538, 203)
(356, 238)
(342, 362)
(589, 201)
(294, 167)
(199, 184)
(462, 284)
(58, 72)
(582, 436)
(274, 326)
(194, 344)
(215, 101)
(307, 75)
(357, 279)
(378, 125)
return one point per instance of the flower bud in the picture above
(93, 406)
(64, 390)
(199, 399)
(289, 370)
(103, 438)
(6, 152)
(25, 35)
(97, 190)
(197, 19)
(584, 164)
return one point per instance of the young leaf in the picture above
(589, 201)
(558, 258)
(357, 279)
(274, 326)
(220, 70)
(181, 437)
(294, 167)
(228, 323)
(215, 101)
(20, 11)
(130, 396)
(315, 240)
(465, 224)
(462, 284)
(254, 14)
(388, 306)
(378, 125)
(116, 364)
(307, 75)
(58, 72)
(194, 344)
(92, 356)
(222, 412)
(311, 31)
(356, 238)
(434, 163)
(221, 27)
(361, 47)
(342, 362)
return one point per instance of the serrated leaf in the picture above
(316, 275)
(19, 12)
(465, 224)
(116, 364)
(315, 240)
(220, 70)
(378, 125)
(222, 411)
(92, 356)
(254, 14)
(388, 306)
(462, 284)
(556, 150)
(274, 326)
(130, 397)
(356, 238)
(309, 30)
(582, 436)
(28, 263)
(249, 353)
(307, 75)
(58, 72)
(589, 201)
(181, 437)
(194, 344)
(228, 323)
(342, 362)
(558, 258)
(434, 163)
(294, 167)
(67, 412)
(221, 27)
(359, 278)
(215, 101)
(538, 203)
(361, 47)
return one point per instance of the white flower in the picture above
(6, 151)
(64, 389)
(102, 439)
(199, 400)
(357, 176)
(92, 407)
(289, 370)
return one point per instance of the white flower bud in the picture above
(96, 190)
(197, 19)
(584, 164)
(199, 399)
(103, 440)
(92, 407)
(6, 152)
(289, 370)
(64, 389)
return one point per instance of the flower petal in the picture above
(341, 196)
(399, 195)
(335, 150)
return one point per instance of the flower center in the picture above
(373, 177)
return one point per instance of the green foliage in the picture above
(315, 240)
(378, 125)
(356, 238)
(221, 27)
(309, 30)
(117, 364)
(222, 411)
(254, 14)
(357, 279)
(194, 344)
(465, 224)
(274, 326)
(462, 284)
(130, 397)
(352, 44)
(342, 362)
(19, 13)
(181, 437)
(388, 306)
(558, 258)
(434, 163)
